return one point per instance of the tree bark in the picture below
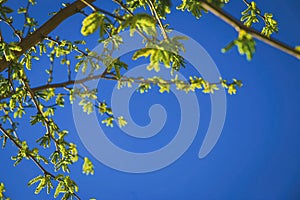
(37, 36)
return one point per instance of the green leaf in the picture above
(92, 22)
(60, 101)
(142, 22)
(145, 52)
(270, 25)
(219, 3)
(144, 87)
(14, 47)
(117, 64)
(2, 190)
(4, 10)
(192, 6)
(102, 107)
(231, 89)
(164, 87)
(121, 121)
(35, 179)
(19, 113)
(22, 10)
(249, 16)
(87, 167)
(33, 2)
(245, 44)
(44, 181)
(66, 186)
(162, 8)
(88, 107)
(134, 4)
(108, 121)
(210, 88)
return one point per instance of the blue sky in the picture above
(257, 155)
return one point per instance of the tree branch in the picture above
(123, 6)
(256, 34)
(12, 28)
(95, 8)
(64, 84)
(32, 158)
(46, 28)
(20, 147)
(160, 24)
(70, 82)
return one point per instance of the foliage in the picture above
(251, 15)
(19, 96)
(245, 44)
(194, 7)
(92, 22)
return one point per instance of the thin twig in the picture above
(160, 24)
(40, 111)
(257, 12)
(47, 122)
(69, 68)
(11, 122)
(51, 72)
(123, 6)
(71, 82)
(256, 34)
(32, 157)
(59, 43)
(95, 8)
(89, 5)
(12, 28)
(25, 17)
(131, 13)
(65, 84)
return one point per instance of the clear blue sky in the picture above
(258, 154)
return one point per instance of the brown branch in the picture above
(46, 28)
(256, 34)
(70, 82)
(63, 84)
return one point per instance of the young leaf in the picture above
(87, 167)
(192, 6)
(121, 121)
(92, 22)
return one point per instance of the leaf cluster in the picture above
(244, 43)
